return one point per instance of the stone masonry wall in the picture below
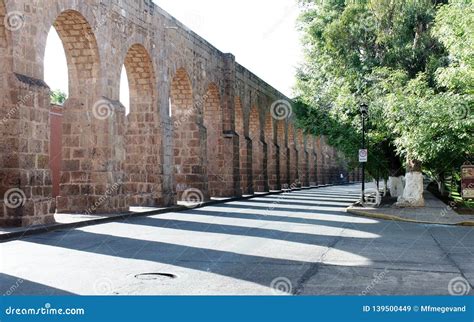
(200, 124)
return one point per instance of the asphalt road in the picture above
(301, 243)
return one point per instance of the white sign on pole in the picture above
(363, 156)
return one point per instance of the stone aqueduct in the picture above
(199, 121)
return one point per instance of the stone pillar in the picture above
(283, 154)
(233, 140)
(25, 177)
(272, 154)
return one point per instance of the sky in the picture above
(260, 33)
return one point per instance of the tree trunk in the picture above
(413, 192)
(395, 185)
(441, 184)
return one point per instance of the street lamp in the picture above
(364, 112)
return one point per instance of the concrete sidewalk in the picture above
(434, 212)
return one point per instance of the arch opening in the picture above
(293, 155)
(272, 167)
(142, 178)
(255, 132)
(125, 90)
(244, 149)
(283, 155)
(189, 171)
(72, 67)
(212, 120)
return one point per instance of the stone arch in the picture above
(89, 169)
(255, 133)
(245, 148)
(293, 155)
(283, 153)
(272, 166)
(189, 172)
(313, 160)
(320, 161)
(324, 161)
(212, 120)
(81, 50)
(142, 165)
(302, 157)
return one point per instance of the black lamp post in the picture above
(364, 112)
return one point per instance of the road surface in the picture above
(301, 243)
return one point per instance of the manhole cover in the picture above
(154, 276)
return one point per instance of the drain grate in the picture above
(154, 276)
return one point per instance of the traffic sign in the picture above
(363, 156)
(467, 183)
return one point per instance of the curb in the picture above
(54, 227)
(396, 218)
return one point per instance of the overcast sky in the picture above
(260, 33)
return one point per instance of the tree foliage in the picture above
(58, 97)
(411, 61)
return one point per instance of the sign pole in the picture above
(363, 163)
(363, 155)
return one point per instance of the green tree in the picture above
(454, 27)
(58, 97)
(409, 60)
